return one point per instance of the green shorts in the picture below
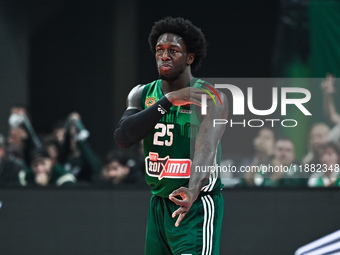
(198, 233)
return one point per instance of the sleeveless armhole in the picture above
(142, 100)
(145, 93)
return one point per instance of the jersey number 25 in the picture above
(165, 129)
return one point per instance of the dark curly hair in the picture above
(193, 37)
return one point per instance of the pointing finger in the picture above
(180, 218)
(178, 212)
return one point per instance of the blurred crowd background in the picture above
(67, 67)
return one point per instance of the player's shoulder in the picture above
(136, 93)
(135, 96)
(138, 89)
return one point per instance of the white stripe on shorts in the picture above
(208, 224)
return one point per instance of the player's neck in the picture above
(181, 82)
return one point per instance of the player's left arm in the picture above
(206, 144)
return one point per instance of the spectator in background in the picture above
(120, 169)
(16, 142)
(264, 153)
(42, 171)
(9, 166)
(285, 155)
(22, 137)
(76, 154)
(284, 151)
(53, 147)
(329, 157)
(58, 131)
(317, 137)
(283, 158)
(17, 134)
(20, 109)
(328, 89)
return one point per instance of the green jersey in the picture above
(170, 147)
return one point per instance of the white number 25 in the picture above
(164, 129)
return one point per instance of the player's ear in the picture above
(190, 58)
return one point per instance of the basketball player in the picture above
(186, 209)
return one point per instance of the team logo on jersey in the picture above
(167, 167)
(150, 101)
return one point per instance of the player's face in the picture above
(284, 152)
(171, 56)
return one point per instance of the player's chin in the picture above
(166, 76)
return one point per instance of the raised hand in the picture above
(327, 85)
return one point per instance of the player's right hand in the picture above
(186, 96)
(188, 198)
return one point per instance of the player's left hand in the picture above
(188, 197)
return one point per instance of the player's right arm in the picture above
(136, 123)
